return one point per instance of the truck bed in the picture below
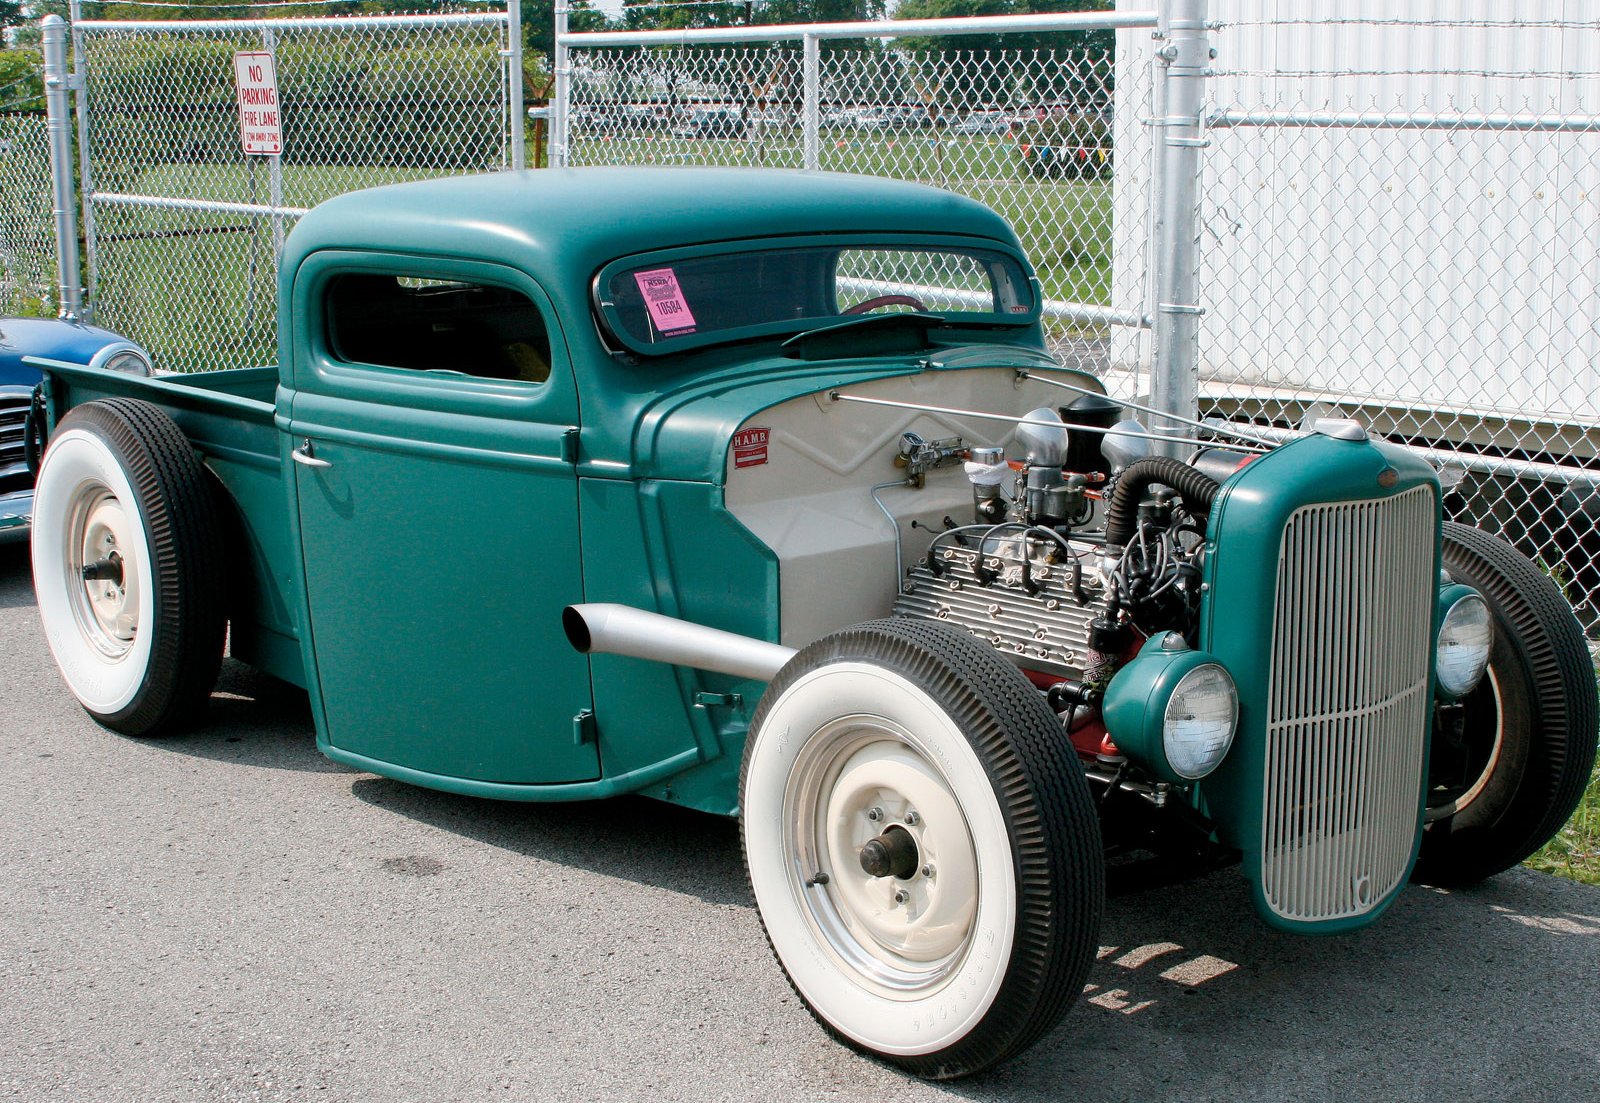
(228, 415)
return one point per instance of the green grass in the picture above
(1575, 851)
(197, 287)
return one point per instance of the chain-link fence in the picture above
(1400, 221)
(1032, 133)
(27, 228)
(183, 229)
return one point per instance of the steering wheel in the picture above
(884, 300)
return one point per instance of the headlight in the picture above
(1462, 650)
(123, 358)
(1172, 709)
(1201, 714)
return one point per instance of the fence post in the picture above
(519, 114)
(1185, 57)
(80, 89)
(269, 43)
(563, 90)
(59, 124)
(811, 99)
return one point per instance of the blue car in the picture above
(52, 339)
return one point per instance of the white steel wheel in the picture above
(921, 845)
(126, 565)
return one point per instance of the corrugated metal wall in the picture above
(1451, 269)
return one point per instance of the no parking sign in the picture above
(255, 75)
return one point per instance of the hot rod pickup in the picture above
(760, 492)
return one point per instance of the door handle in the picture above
(303, 456)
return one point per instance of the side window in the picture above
(424, 324)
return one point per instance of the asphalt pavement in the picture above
(226, 915)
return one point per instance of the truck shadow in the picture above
(1459, 992)
(16, 574)
(255, 720)
(634, 838)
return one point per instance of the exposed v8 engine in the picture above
(1064, 569)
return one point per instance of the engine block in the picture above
(1013, 594)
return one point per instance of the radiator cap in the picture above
(1340, 428)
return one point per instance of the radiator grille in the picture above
(1347, 704)
(13, 409)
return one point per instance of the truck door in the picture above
(431, 429)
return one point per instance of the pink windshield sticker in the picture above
(663, 298)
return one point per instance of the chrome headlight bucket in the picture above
(1173, 710)
(122, 356)
(1461, 647)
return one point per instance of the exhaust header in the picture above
(623, 630)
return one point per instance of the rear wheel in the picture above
(1508, 781)
(127, 562)
(922, 846)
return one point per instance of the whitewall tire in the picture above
(969, 931)
(127, 562)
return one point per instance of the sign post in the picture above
(255, 78)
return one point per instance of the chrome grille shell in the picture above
(1348, 693)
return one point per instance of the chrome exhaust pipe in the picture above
(623, 630)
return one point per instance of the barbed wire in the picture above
(266, 4)
(1509, 74)
(1452, 24)
(659, 5)
(18, 103)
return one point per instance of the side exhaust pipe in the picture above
(623, 630)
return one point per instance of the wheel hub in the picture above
(920, 908)
(892, 854)
(110, 585)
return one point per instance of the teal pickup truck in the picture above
(759, 492)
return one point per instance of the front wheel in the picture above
(1505, 782)
(922, 846)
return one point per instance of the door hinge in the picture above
(569, 445)
(583, 728)
(703, 700)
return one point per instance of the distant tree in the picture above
(945, 65)
(949, 9)
(11, 14)
(540, 21)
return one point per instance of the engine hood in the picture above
(684, 431)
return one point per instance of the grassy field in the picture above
(198, 288)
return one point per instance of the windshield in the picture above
(658, 307)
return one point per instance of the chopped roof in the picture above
(562, 224)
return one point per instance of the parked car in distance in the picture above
(908, 116)
(983, 122)
(719, 122)
(52, 339)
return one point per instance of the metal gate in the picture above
(182, 229)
